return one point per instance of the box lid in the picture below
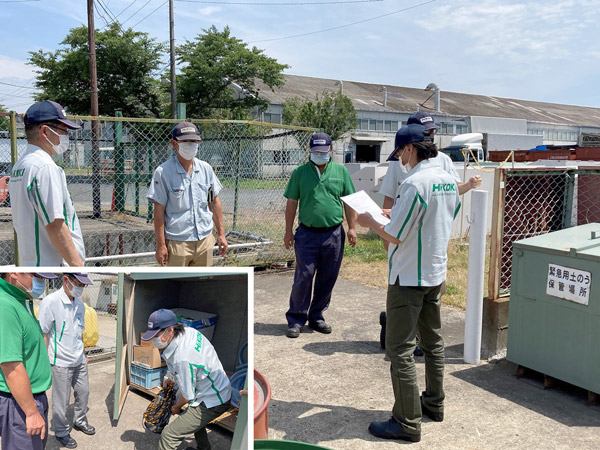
(581, 241)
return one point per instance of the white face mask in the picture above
(319, 158)
(63, 144)
(158, 343)
(404, 167)
(187, 150)
(75, 291)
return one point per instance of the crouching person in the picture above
(202, 382)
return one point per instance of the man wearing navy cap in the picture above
(43, 215)
(185, 193)
(315, 189)
(395, 175)
(25, 376)
(419, 230)
(203, 384)
(62, 319)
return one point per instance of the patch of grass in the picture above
(367, 263)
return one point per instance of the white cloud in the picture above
(513, 31)
(14, 69)
(196, 13)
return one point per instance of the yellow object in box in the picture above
(90, 332)
(148, 356)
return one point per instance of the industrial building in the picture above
(506, 124)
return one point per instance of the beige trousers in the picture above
(191, 253)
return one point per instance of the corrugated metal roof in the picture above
(405, 99)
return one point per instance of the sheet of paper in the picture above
(362, 203)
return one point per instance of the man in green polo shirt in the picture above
(26, 373)
(315, 189)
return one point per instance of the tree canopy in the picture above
(333, 113)
(215, 60)
(128, 64)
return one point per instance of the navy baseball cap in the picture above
(159, 320)
(48, 111)
(81, 277)
(45, 275)
(320, 142)
(407, 135)
(185, 131)
(422, 118)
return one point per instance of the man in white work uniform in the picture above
(185, 193)
(43, 215)
(202, 382)
(62, 318)
(395, 175)
(418, 233)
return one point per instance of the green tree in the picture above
(211, 63)
(333, 113)
(127, 63)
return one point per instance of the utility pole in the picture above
(94, 110)
(173, 87)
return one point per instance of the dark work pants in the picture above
(409, 308)
(13, 428)
(317, 253)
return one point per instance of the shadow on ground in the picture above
(315, 420)
(558, 403)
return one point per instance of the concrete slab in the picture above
(326, 389)
(127, 433)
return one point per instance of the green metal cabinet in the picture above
(554, 315)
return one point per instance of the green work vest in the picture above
(21, 338)
(319, 198)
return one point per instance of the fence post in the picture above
(14, 155)
(497, 233)
(569, 199)
(119, 166)
(238, 164)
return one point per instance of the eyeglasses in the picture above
(54, 127)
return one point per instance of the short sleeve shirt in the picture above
(319, 197)
(185, 198)
(395, 175)
(39, 196)
(63, 321)
(21, 339)
(193, 361)
(421, 219)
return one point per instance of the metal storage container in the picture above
(554, 315)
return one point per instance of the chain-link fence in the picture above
(108, 178)
(530, 202)
(100, 298)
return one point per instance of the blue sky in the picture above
(532, 50)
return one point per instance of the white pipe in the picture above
(474, 313)
(151, 254)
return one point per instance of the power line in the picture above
(143, 6)
(4, 94)
(346, 25)
(128, 6)
(160, 6)
(326, 2)
(16, 85)
(109, 14)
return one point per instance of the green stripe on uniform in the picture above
(37, 191)
(412, 207)
(61, 332)
(212, 382)
(457, 209)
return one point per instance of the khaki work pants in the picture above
(191, 421)
(191, 253)
(410, 308)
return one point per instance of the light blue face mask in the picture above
(38, 286)
(319, 158)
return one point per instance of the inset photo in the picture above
(124, 360)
